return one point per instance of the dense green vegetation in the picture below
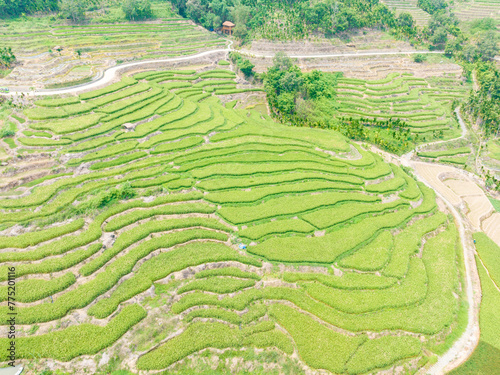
(164, 204)
(18, 7)
(6, 57)
(395, 113)
(484, 105)
(291, 19)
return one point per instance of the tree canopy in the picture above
(7, 58)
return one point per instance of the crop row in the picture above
(164, 264)
(254, 312)
(93, 232)
(439, 257)
(201, 335)
(85, 293)
(336, 243)
(33, 238)
(452, 152)
(91, 338)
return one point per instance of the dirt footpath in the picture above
(463, 192)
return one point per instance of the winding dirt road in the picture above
(462, 126)
(110, 74)
(465, 345)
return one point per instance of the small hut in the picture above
(129, 127)
(227, 27)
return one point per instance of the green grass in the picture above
(495, 203)
(452, 152)
(486, 359)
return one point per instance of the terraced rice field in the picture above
(486, 357)
(135, 241)
(477, 9)
(86, 50)
(420, 16)
(454, 155)
(423, 103)
(491, 155)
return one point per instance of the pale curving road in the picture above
(462, 126)
(110, 74)
(465, 345)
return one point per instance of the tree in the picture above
(18, 7)
(7, 58)
(281, 61)
(241, 14)
(195, 10)
(439, 37)
(246, 67)
(240, 31)
(487, 47)
(405, 21)
(221, 8)
(137, 9)
(452, 47)
(74, 9)
(419, 58)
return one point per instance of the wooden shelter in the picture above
(227, 27)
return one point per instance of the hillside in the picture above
(54, 53)
(132, 241)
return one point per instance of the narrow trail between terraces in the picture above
(110, 74)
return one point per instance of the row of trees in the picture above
(301, 17)
(133, 9)
(73, 9)
(14, 8)
(484, 104)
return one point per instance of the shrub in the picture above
(137, 9)
(244, 65)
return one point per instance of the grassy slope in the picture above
(486, 358)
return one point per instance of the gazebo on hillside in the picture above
(227, 27)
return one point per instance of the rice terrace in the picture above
(249, 187)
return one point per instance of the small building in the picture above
(129, 127)
(227, 27)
